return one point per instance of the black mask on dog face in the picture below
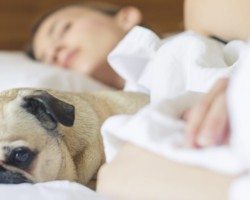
(49, 110)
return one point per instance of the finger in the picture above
(194, 120)
(213, 129)
(226, 134)
(185, 115)
(219, 87)
(197, 113)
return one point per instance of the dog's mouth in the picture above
(9, 177)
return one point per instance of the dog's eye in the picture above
(21, 157)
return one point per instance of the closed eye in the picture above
(65, 28)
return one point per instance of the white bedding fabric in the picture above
(166, 70)
(170, 67)
(17, 70)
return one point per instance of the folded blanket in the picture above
(167, 70)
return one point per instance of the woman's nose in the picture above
(56, 54)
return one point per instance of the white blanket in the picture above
(166, 70)
(170, 67)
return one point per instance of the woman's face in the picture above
(77, 38)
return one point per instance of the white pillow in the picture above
(17, 70)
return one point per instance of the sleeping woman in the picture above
(81, 36)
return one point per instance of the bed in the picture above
(19, 71)
(135, 173)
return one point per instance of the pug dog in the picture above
(51, 135)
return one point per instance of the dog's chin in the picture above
(8, 177)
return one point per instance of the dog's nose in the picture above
(1, 165)
(8, 177)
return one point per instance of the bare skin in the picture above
(222, 18)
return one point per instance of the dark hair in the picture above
(105, 8)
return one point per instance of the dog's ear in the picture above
(49, 110)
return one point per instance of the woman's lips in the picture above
(69, 58)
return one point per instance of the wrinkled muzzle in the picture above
(8, 177)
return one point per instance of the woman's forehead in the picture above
(68, 11)
(64, 13)
(45, 30)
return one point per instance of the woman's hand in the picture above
(207, 121)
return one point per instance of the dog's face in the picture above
(31, 147)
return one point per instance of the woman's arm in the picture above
(136, 173)
(227, 19)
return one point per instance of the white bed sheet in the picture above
(56, 190)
